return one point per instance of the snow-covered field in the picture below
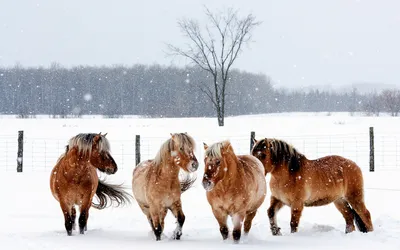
(31, 218)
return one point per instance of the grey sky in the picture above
(300, 43)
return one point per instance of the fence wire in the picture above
(41, 154)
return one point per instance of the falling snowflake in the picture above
(88, 97)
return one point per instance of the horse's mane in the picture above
(84, 143)
(214, 151)
(181, 140)
(281, 152)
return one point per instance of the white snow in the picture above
(32, 219)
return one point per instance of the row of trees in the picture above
(158, 91)
(209, 86)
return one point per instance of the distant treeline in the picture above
(153, 91)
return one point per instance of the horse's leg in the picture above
(177, 211)
(66, 209)
(84, 215)
(362, 213)
(73, 217)
(344, 208)
(221, 217)
(145, 210)
(237, 220)
(155, 213)
(273, 209)
(296, 210)
(248, 220)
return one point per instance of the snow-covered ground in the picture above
(31, 218)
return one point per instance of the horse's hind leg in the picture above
(177, 211)
(273, 209)
(66, 209)
(248, 220)
(157, 214)
(362, 216)
(344, 208)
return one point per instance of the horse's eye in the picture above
(181, 149)
(217, 162)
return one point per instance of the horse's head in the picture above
(100, 156)
(216, 163)
(261, 150)
(182, 152)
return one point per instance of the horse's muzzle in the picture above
(194, 166)
(111, 170)
(207, 184)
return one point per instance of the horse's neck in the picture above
(76, 162)
(233, 170)
(167, 169)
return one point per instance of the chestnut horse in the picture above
(235, 186)
(297, 182)
(74, 179)
(156, 185)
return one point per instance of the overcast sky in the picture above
(300, 43)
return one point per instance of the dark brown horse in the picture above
(235, 186)
(297, 182)
(74, 179)
(156, 185)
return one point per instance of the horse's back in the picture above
(252, 164)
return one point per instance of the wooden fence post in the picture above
(252, 137)
(371, 150)
(20, 153)
(137, 149)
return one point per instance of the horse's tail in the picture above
(187, 182)
(108, 194)
(359, 222)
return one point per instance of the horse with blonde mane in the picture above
(74, 179)
(156, 185)
(297, 182)
(235, 186)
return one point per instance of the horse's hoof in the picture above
(69, 233)
(177, 235)
(82, 231)
(276, 231)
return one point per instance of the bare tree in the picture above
(391, 101)
(373, 104)
(215, 49)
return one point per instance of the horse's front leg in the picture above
(84, 215)
(275, 206)
(221, 217)
(177, 211)
(296, 210)
(237, 220)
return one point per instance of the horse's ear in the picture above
(254, 140)
(227, 147)
(205, 146)
(97, 138)
(105, 134)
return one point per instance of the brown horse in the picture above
(156, 185)
(235, 186)
(74, 179)
(297, 182)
